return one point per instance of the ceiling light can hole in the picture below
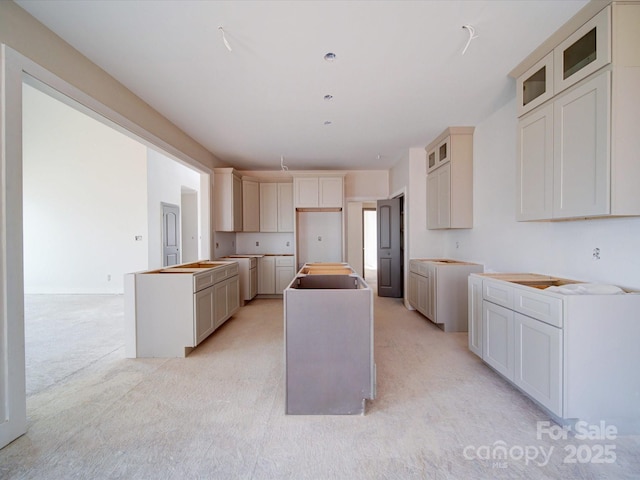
(327, 122)
(330, 57)
(328, 97)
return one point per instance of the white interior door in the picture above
(170, 235)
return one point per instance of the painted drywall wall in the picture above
(22, 32)
(281, 242)
(501, 243)
(366, 184)
(166, 181)
(85, 200)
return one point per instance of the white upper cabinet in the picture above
(535, 165)
(318, 191)
(438, 154)
(227, 200)
(276, 207)
(578, 150)
(585, 51)
(581, 150)
(450, 184)
(535, 86)
(268, 207)
(250, 206)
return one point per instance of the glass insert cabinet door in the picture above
(588, 49)
(535, 86)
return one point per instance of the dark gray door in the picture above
(390, 248)
(170, 234)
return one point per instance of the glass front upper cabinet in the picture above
(535, 86)
(588, 49)
(439, 155)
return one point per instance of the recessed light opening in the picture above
(330, 57)
(328, 97)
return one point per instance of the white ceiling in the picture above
(399, 78)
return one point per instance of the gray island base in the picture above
(329, 364)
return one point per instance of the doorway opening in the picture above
(91, 195)
(370, 245)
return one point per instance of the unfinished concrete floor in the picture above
(219, 413)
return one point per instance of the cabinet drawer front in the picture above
(419, 267)
(203, 280)
(284, 261)
(542, 307)
(498, 293)
(225, 272)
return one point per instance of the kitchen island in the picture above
(329, 364)
(169, 311)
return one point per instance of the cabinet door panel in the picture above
(204, 312)
(412, 290)
(538, 361)
(220, 293)
(268, 207)
(423, 295)
(250, 206)
(497, 338)
(439, 198)
(233, 295)
(284, 275)
(267, 275)
(584, 52)
(305, 192)
(534, 172)
(475, 315)
(581, 150)
(330, 192)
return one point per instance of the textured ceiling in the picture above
(399, 77)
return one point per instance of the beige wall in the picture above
(25, 34)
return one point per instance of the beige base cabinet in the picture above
(450, 179)
(267, 275)
(578, 148)
(438, 290)
(571, 354)
(170, 311)
(275, 272)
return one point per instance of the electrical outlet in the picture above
(319, 238)
(596, 253)
(288, 243)
(138, 238)
(257, 244)
(457, 244)
(217, 245)
(108, 277)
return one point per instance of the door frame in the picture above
(15, 69)
(402, 192)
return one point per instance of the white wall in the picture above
(501, 243)
(366, 184)
(84, 200)
(166, 179)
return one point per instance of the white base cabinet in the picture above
(275, 272)
(171, 311)
(572, 354)
(437, 288)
